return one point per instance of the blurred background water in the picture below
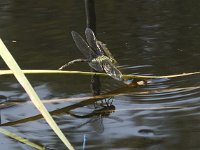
(153, 37)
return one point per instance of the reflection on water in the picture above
(146, 37)
(101, 110)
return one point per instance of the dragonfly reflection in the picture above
(97, 54)
(96, 117)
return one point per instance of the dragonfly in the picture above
(96, 117)
(97, 55)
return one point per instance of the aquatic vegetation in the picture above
(12, 64)
(99, 60)
(20, 139)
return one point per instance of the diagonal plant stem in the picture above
(5, 54)
(20, 139)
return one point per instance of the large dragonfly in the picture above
(97, 54)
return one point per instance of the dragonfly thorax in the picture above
(97, 63)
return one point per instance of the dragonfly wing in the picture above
(111, 69)
(106, 51)
(83, 46)
(92, 41)
(97, 124)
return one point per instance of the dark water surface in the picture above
(149, 37)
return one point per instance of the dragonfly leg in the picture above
(73, 62)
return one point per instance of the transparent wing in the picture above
(92, 41)
(111, 69)
(106, 51)
(83, 46)
(97, 124)
(115, 118)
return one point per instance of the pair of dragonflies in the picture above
(97, 54)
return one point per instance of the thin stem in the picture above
(9, 72)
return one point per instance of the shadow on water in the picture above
(106, 106)
(146, 37)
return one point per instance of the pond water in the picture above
(153, 37)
